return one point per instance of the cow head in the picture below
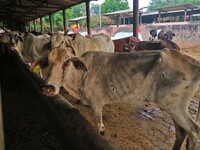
(15, 41)
(60, 64)
(61, 40)
(57, 40)
(166, 35)
(153, 33)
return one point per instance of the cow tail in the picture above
(198, 113)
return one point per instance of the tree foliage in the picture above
(114, 5)
(107, 6)
(95, 9)
(161, 3)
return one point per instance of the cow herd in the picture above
(98, 71)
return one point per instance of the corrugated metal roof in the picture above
(78, 18)
(27, 10)
(120, 13)
(177, 7)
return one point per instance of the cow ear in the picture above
(42, 62)
(20, 38)
(68, 43)
(79, 64)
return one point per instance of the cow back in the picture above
(100, 42)
(148, 45)
(125, 44)
(33, 47)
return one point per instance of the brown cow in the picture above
(167, 78)
(156, 45)
(125, 44)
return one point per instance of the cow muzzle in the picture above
(47, 89)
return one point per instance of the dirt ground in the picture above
(127, 127)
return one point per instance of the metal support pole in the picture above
(34, 28)
(88, 17)
(191, 16)
(159, 16)
(185, 15)
(41, 25)
(50, 21)
(29, 24)
(135, 18)
(64, 20)
(100, 20)
(118, 20)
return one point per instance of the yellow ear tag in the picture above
(37, 69)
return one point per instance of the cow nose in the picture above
(13, 44)
(47, 89)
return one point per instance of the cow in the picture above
(30, 47)
(156, 34)
(80, 44)
(125, 44)
(5, 36)
(156, 45)
(167, 77)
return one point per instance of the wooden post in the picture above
(2, 145)
(135, 18)
(191, 15)
(34, 28)
(41, 25)
(88, 17)
(29, 26)
(117, 20)
(159, 16)
(50, 21)
(140, 18)
(185, 15)
(64, 20)
(124, 20)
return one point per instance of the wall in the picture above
(187, 33)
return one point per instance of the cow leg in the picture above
(97, 110)
(192, 129)
(180, 136)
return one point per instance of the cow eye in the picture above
(66, 63)
(61, 43)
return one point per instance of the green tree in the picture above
(79, 10)
(58, 20)
(94, 8)
(114, 5)
(162, 3)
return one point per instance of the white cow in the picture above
(80, 44)
(30, 47)
(167, 78)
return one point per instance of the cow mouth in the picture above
(12, 47)
(48, 90)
